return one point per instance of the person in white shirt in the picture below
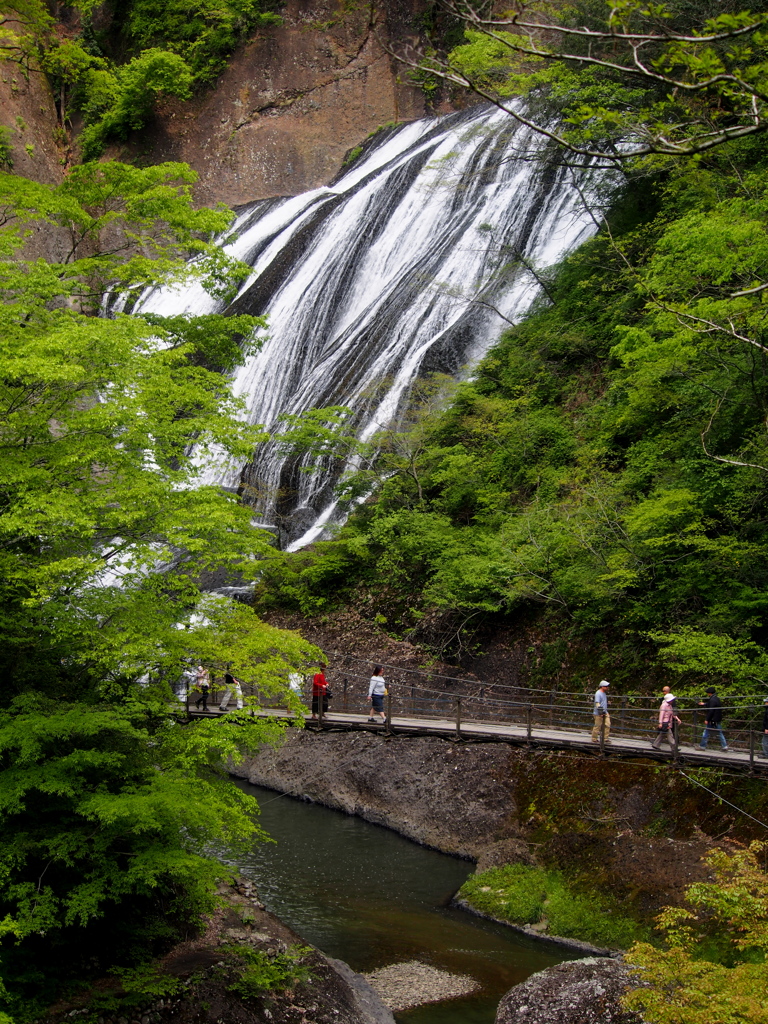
(377, 689)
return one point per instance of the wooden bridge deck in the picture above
(620, 746)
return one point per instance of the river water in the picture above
(366, 895)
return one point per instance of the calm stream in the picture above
(368, 896)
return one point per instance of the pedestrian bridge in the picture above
(562, 722)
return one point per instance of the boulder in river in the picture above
(584, 991)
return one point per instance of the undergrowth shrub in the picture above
(528, 895)
(260, 972)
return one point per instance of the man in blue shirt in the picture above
(602, 718)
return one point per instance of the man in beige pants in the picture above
(602, 718)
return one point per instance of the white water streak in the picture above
(370, 281)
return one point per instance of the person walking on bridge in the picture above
(667, 720)
(203, 684)
(602, 718)
(377, 689)
(319, 692)
(714, 718)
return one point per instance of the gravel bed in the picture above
(403, 986)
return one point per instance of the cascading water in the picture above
(390, 272)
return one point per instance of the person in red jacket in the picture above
(319, 691)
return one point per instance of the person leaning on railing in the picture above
(602, 718)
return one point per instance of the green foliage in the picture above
(147, 981)
(714, 966)
(607, 463)
(108, 797)
(203, 32)
(24, 25)
(352, 155)
(700, 82)
(529, 895)
(260, 972)
(6, 148)
(165, 49)
(128, 96)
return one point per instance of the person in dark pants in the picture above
(203, 683)
(764, 737)
(714, 717)
(377, 691)
(319, 691)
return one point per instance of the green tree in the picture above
(109, 800)
(624, 80)
(203, 32)
(129, 94)
(714, 966)
(67, 64)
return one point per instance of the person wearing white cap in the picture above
(667, 718)
(602, 718)
(764, 737)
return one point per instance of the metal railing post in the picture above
(751, 749)
(602, 734)
(345, 693)
(458, 718)
(530, 722)
(320, 703)
(675, 743)
(388, 726)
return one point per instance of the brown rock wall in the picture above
(293, 101)
(455, 798)
(28, 111)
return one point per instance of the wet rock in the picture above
(459, 799)
(506, 851)
(578, 992)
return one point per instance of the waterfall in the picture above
(394, 270)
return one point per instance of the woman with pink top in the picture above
(667, 718)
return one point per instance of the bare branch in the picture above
(721, 458)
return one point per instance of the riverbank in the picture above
(608, 827)
(245, 967)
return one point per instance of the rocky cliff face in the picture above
(28, 112)
(293, 101)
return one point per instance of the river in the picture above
(366, 895)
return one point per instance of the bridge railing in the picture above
(632, 716)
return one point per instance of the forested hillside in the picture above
(600, 478)
(603, 473)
